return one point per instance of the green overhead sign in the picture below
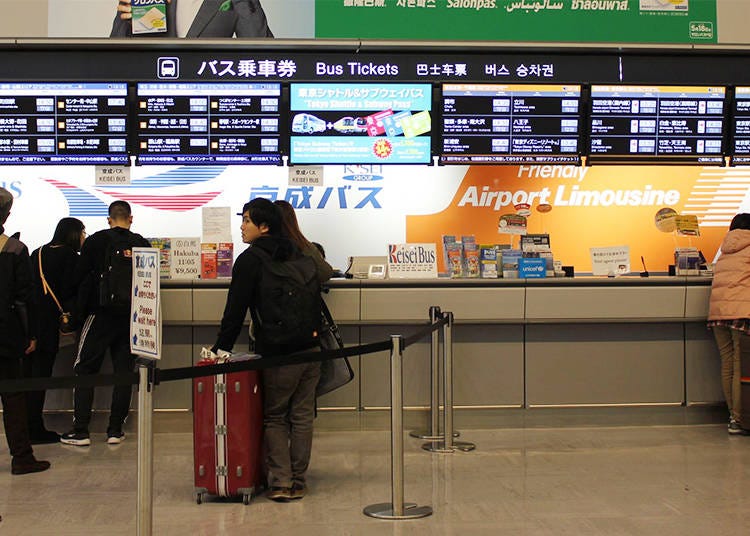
(585, 21)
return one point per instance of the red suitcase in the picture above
(228, 434)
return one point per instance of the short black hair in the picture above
(740, 221)
(262, 210)
(119, 210)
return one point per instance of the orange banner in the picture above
(591, 207)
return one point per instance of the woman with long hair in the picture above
(55, 261)
(290, 228)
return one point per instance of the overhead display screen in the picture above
(741, 126)
(508, 124)
(63, 123)
(663, 123)
(360, 123)
(208, 123)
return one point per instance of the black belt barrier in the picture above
(183, 373)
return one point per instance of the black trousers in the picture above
(38, 364)
(14, 412)
(102, 332)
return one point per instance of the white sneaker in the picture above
(115, 438)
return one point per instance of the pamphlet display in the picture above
(63, 123)
(208, 123)
(676, 124)
(366, 123)
(510, 124)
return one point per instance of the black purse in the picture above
(334, 373)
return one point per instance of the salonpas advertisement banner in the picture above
(635, 21)
(360, 210)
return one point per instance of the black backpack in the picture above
(115, 280)
(287, 315)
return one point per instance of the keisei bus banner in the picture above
(588, 21)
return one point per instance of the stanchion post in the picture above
(434, 432)
(397, 508)
(145, 450)
(448, 444)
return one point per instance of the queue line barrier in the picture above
(149, 376)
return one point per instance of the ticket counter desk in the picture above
(556, 342)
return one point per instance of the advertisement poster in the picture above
(360, 123)
(586, 21)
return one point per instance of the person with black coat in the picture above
(102, 328)
(54, 264)
(17, 339)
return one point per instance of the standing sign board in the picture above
(145, 311)
(412, 261)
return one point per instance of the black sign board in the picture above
(63, 123)
(505, 124)
(674, 124)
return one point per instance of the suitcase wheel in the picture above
(246, 499)
(199, 498)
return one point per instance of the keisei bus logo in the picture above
(373, 172)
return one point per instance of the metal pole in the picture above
(397, 508)
(448, 444)
(145, 451)
(434, 432)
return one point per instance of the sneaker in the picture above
(26, 466)
(115, 438)
(298, 490)
(734, 428)
(279, 494)
(79, 439)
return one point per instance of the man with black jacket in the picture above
(17, 338)
(288, 391)
(105, 328)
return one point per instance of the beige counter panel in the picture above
(343, 304)
(466, 304)
(177, 305)
(612, 303)
(208, 305)
(604, 364)
(696, 302)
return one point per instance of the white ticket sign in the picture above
(185, 258)
(412, 261)
(145, 314)
(614, 260)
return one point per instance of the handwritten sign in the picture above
(145, 314)
(614, 260)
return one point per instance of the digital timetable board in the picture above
(678, 124)
(506, 124)
(740, 152)
(360, 123)
(63, 123)
(208, 123)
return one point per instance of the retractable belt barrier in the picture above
(183, 373)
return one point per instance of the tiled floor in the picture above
(529, 479)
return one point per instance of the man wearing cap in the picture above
(201, 18)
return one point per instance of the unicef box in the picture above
(532, 267)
